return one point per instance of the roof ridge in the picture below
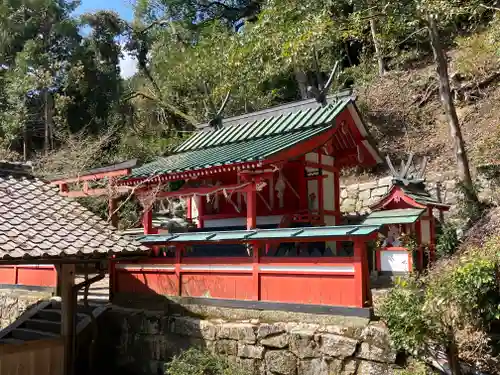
(261, 128)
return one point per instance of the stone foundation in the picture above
(14, 302)
(145, 340)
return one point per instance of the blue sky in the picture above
(124, 8)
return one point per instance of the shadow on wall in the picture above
(142, 334)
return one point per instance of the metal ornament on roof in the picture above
(216, 114)
(320, 93)
(408, 173)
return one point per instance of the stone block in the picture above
(305, 343)
(386, 181)
(374, 353)
(244, 332)
(192, 327)
(352, 188)
(368, 186)
(379, 192)
(348, 205)
(320, 366)
(338, 346)
(376, 333)
(343, 193)
(344, 330)
(279, 341)
(266, 330)
(250, 351)
(374, 368)
(350, 367)
(251, 366)
(226, 347)
(364, 194)
(281, 362)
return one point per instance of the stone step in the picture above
(31, 334)
(43, 325)
(54, 315)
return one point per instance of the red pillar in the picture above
(178, 260)
(189, 209)
(147, 221)
(361, 278)
(256, 271)
(251, 207)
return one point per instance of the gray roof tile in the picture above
(37, 223)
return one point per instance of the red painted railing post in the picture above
(16, 275)
(251, 207)
(256, 271)
(361, 280)
(178, 261)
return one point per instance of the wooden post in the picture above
(178, 260)
(251, 207)
(147, 221)
(68, 312)
(113, 217)
(200, 206)
(255, 270)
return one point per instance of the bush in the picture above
(198, 362)
(478, 55)
(447, 241)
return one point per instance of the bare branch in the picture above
(489, 7)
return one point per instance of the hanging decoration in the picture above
(280, 189)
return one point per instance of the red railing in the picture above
(44, 275)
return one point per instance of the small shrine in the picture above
(406, 213)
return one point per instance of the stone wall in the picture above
(14, 302)
(146, 340)
(356, 198)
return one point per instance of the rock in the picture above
(352, 188)
(243, 332)
(343, 193)
(344, 330)
(368, 186)
(349, 205)
(250, 351)
(386, 181)
(364, 194)
(338, 346)
(376, 333)
(192, 327)
(281, 362)
(379, 192)
(350, 367)
(320, 366)
(373, 368)
(279, 341)
(250, 366)
(266, 330)
(304, 343)
(374, 353)
(227, 347)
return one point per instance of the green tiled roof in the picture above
(252, 150)
(265, 127)
(397, 216)
(246, 142)
(283, 234)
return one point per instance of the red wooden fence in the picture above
(44, 275)
(337, 281)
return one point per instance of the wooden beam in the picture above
(92, 177)
(204, 190)
(68, 313)
(93, 192)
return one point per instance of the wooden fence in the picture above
(44, 275)
(38, 357)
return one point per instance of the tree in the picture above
(450, 110)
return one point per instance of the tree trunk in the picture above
(451, 113)
(301, 78)
(452, 355)
(48, 121)
(376, 44)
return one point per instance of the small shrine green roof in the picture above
(283, 234)
(396, 216)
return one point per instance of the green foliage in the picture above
(470, 211)
(447, 241)
(403, 311)
(197, 362)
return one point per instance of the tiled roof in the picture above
(37, 223)
(420, 195)
(396, 216)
